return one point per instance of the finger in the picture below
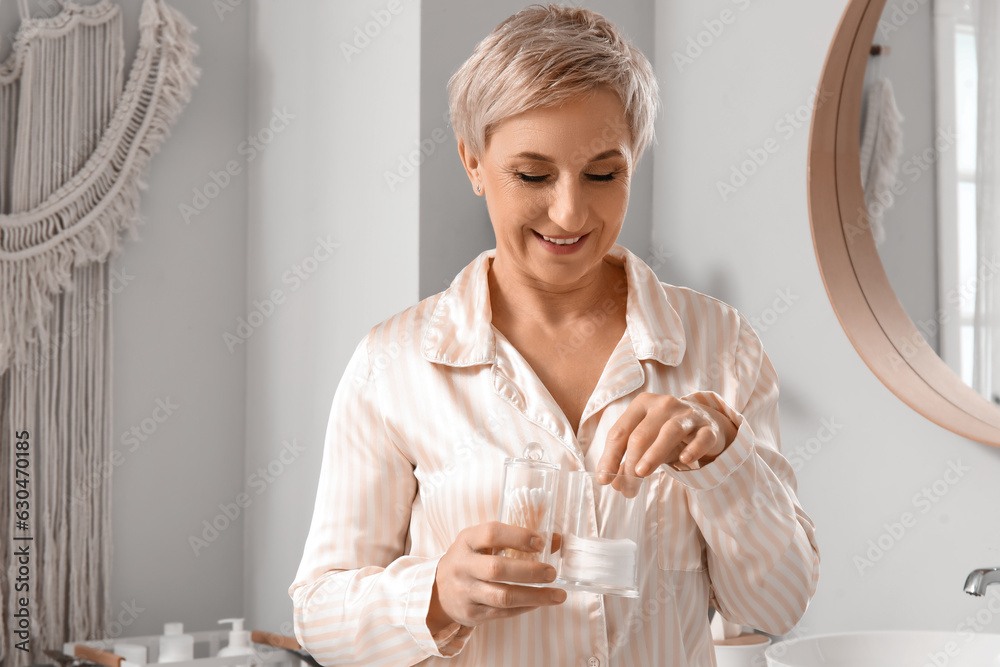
(616, 481)
(667, 445)
(630, 486)
(627, 485)
(705, 440)
(511, 570)
(556, 542)
(616, 444)
(482, 613)
(643, 437)
(496, 535)
(509, 596)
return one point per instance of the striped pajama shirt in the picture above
(432, 402)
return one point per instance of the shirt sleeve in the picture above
(763, 559)
(358, 598)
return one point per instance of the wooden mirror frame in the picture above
(862, 297)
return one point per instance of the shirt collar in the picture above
(460, 332)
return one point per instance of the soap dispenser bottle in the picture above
(175, 646)
(239, 639)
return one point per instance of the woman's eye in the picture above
(540, 178)
(529, 178)
(602, 177)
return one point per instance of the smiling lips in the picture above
(562, 241)
(561, 245)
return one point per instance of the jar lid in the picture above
(533, 456)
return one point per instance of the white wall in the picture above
(188, 289)
(181, 285)
(755, 247)
(323, 177)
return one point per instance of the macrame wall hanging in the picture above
(75, 139)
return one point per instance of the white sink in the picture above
(901, 648)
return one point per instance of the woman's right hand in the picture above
(466, 588)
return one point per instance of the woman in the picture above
(562, 337)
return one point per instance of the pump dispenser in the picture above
(175, 646)
(239, 639)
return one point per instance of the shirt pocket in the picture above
(679, 543)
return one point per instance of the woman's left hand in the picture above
(657, 429)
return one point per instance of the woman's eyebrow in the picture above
(614, 152)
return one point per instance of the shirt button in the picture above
(593, 662)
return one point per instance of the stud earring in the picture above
(479, 188)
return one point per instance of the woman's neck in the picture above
(515, 298)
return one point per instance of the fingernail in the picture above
(537, 543)
(558, 596)
(550, 574)
(642, 468)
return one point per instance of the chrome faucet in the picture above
(979, 579)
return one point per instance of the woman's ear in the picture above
(470, 162)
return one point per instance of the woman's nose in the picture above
(568, 207)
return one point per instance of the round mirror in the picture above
(903, 178)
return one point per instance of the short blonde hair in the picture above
(542, 57)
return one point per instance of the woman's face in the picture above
(561, 172)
